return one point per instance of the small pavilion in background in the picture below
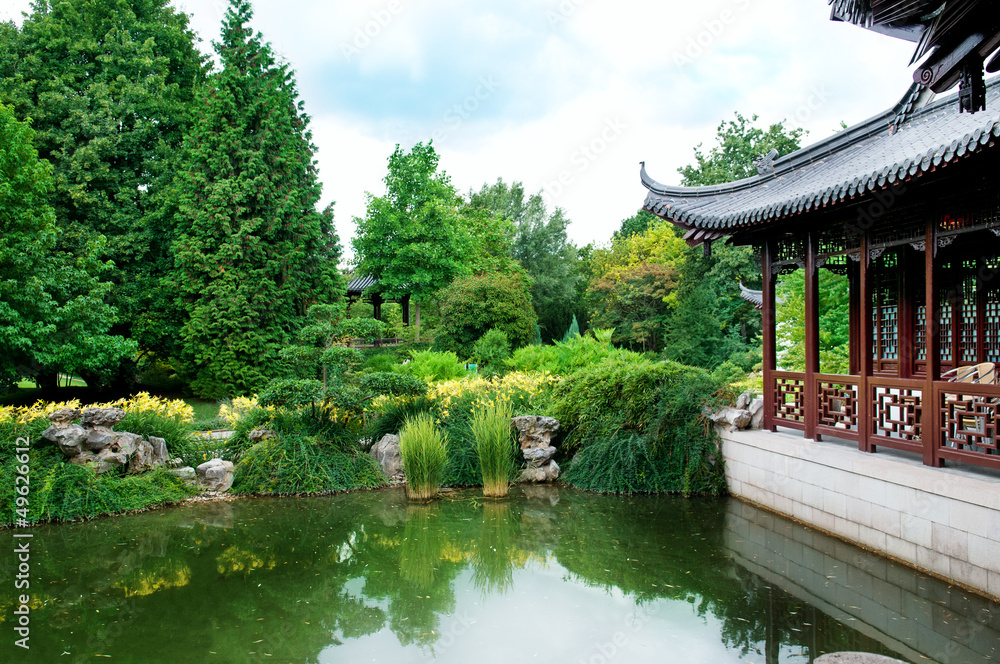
(366, 289)
(907, 206)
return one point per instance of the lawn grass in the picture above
(203, 409)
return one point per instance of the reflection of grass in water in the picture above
(420, 550)
(492, 560)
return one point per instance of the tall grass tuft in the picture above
(491, 426)
(424, 448)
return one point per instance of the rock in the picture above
(70, 439)
(63, 416)
(539, 454)
(856, 658)
(186, 473)
(216, 475)
(94, 462)
(126, 443)
(736, 418)
(552, 471)
(535, 430)
(160, 455)
(743, 401)
(386, 452)
(111, 458)
(176, 463)
(102, 417)
(98, 439)
(532, 474)
(258, 435)
(757, 413)
(142, 459)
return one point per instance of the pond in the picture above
(550, 575)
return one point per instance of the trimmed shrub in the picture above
(491, 349)
(473, 305)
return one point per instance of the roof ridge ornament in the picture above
(765, 162)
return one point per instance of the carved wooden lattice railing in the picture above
(837, 398)
(789, 390)
(969, 423)
(896, 413)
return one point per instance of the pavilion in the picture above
(907, 206)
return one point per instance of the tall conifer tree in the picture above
(251, 251)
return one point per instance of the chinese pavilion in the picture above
(907, 206)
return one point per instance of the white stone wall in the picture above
(941, 520)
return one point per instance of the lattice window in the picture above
(836, 264)
(838, 405)
(907, 225)
(920, 331)
(968, 328)
(991, 335)
(789, 399)
(944, 328)
(897, 413)
(885, 309)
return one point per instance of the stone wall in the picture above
(943, 520)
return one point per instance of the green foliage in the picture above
(432, 366)
(393, 415)
(834, 322)
(391, 383)
(541, 247)
(739, 144)
(573, 330)
(292, 392)
(53, 314)
(491, 349)
(637, 223)
(564, 358)
(471, 306)
(250, 250)
(381, 362)
(495, 446)
(424, 448)
(108, 86)
(638, 426)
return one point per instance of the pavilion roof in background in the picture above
(358, 285)
(904, 142)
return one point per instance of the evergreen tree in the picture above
(53, 314)
(108, 85)
(251, 252)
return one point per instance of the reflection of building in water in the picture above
(919, 618)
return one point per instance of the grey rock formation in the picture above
(142, 458)
(757, 413)
(186, 473)
(258, 435)
(69, 437)
(736, 418)
(535, 437)
(386, 452)
(160, 455)
(102, 417)
(215, 475)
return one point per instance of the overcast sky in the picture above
(567, 96)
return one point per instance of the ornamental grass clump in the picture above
(491, 427)
(424, 448)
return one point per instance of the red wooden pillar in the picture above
(907, 305)
(853, 301)
(865, 406)
(931, 410)
(768, 329)
(812, 336)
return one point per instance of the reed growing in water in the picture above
(424, 448)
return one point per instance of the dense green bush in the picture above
(473, 305)
(562, 358)
(381, 362)
(637, 426)
(430, 366)
(491, 349)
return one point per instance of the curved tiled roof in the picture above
(868, 156)
(360, 284)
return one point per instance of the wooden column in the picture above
(930, 412)
(906, 312)
(768, 329)
(812, 336)
(864, 348)
(853, 307)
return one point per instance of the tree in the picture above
(637, 223)
(541, 247)
(414, 239)
(108, 86)
(251, 251)
(53, 313)
(834, 322)
(473, 305)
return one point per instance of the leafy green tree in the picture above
(834, 322)
(414, 239)
(108, 85)
(53, 311)
(473, 305)
(637, 223)
(251, 252)
(541, 246)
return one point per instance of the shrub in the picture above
(491, 349)
(473, 305)
(562, 358)
(391, 383)
(495, 447)
(638, 426)
(424, 449)
(381, 362)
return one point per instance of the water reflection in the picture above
(369, 577)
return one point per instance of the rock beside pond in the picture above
(736, 418)
(186, 473)
(216, 475)
(102, 417)
(70, 438)
(386, 452)
(535, 437)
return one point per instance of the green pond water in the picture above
(550, 575)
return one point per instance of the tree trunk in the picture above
(416, 313)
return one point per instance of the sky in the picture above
(566, 96)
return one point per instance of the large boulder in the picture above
(535, 430)
(386, 452)
(160, 455)
(538, 456)
(102, 417)
(215, 475)
(186, 473)
(71, 438)
(62, 417)
(142, 458)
